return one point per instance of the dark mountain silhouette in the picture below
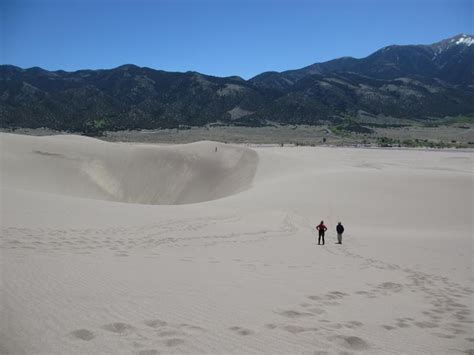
(411, 82)
(451, 60)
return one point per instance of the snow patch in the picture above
(466, 40)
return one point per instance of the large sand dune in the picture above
(86, 167)
(215, 252)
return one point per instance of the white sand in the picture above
(238, 270)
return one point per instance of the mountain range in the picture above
(416, 82)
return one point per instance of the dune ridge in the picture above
(86, 167)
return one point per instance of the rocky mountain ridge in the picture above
(408, 82)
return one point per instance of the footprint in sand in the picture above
(155, 323)
(329, 297)
(426, 325)
(443, 336)
(190, 327)
(294, 314)
(403, 325)
(317, 310)
(174, 342)
(353, 324)
(170, 333)
(118, 327)
(386, 288)
(83, 334)
(242, 331)
(350, 342)
(295, 329)
(336, 295)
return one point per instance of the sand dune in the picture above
(216, 251)
(86, 167)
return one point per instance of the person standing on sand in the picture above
(321, 228)
(339, 230)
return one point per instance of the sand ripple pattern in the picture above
(171, 233)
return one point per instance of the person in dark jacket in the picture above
(321, 228)
(339, 230)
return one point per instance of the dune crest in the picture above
(144, 174)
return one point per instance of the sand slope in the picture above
(83, 272)
(86, 167)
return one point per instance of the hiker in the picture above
(339, 230)
(321, 228)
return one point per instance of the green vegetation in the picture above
(417, 143)
(461, 120)
(383, 125)
(387, 142)
(151, 99)
(350, 126)
(95, 127)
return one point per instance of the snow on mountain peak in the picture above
(464, 39)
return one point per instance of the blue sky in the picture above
(226, 37)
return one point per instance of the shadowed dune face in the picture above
(89, 168)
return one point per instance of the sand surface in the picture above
(141, 249)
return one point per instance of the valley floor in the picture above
(441, 136)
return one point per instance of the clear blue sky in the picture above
(226, 37)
